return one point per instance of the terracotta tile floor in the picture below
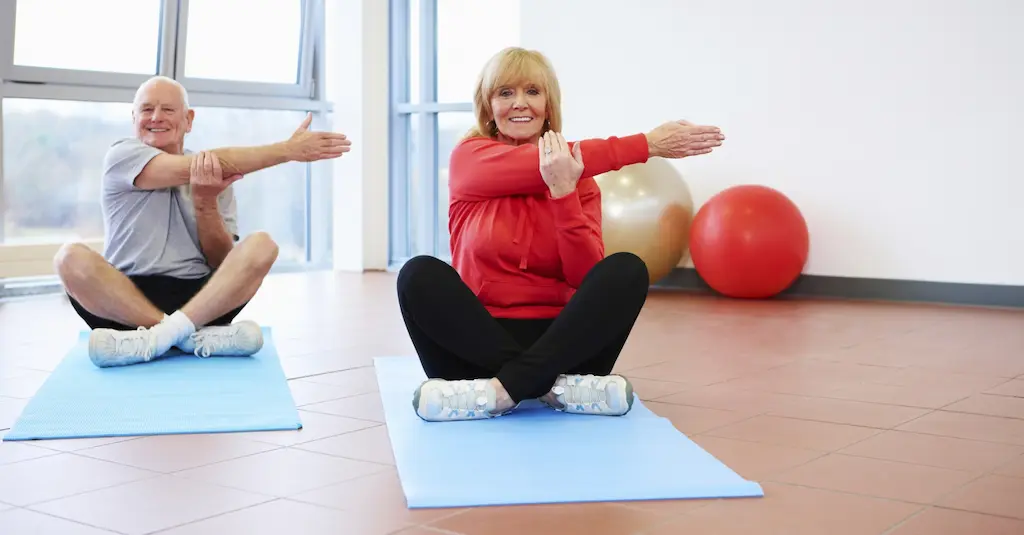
(858, 419)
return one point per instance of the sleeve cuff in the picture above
(568, 209)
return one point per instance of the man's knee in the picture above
(261, 251)
(76, 262)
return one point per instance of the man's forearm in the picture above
(169, 170)
(214, 239)
(245, 160)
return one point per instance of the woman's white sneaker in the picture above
(437, 400)
(608, 395)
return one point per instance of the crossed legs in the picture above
(137, 322)
(475, 360)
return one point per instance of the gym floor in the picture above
(857, 418)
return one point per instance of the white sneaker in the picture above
(608, 395)
(111, 347)
(240, 339)
(437, 400)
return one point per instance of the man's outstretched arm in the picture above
(169, 170)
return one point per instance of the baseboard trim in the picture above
(819, 286)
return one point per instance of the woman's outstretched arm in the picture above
(482, 168)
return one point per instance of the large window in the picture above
(274, 199)
(252, 70)
(438, 49)
(97, 30)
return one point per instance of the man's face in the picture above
(161, 119)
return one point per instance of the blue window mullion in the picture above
(427, 203)
(399, 132)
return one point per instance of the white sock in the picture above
(172, 330)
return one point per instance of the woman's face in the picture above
(520, 113)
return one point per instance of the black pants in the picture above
(456, 338)
(168, 294)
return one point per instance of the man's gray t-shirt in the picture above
(153, 232)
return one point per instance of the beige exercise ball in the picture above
(647, 210)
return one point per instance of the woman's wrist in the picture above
(557, 192)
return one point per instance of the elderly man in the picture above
(170, 274)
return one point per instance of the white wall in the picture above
(357, 34)
(890, 123)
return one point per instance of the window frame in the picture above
(172, 57)
(403, 109)
(304, 88)
(28, 261)
(10, 72)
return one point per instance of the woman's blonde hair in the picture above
(510, 67)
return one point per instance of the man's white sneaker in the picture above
(608, 395)
(240, 339)
(111, 347)
(437, 400)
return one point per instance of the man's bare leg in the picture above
(236, 280)
(101, 289)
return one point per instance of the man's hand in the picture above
(306, 146)
(207, 178)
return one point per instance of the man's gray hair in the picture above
(160, 79)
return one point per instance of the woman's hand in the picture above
(679, 139)
(559, 167)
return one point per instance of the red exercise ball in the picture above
(749, 242)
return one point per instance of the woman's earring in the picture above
(494, 126)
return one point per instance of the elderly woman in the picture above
(530, 307)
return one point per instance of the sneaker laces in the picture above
(584, 390)
(209, 341)
(136, 344)
(464, 396)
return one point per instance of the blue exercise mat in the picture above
(176, 394)
(538, 455)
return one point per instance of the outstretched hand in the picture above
(560, 168)
(306, 146)
(206, 176)
(679, 139)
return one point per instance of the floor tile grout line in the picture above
(676, 516)
(958, 509)
(1018, 458)
(361, 419)
(153, 475)
(349, 396)
(318, 374)
(347, 458)
(930, 410)
(790, 394)
(174, 472)
(974, 474)
(270, 499)
(73, 521)
(899, 524)
(439, 531)
(842, 451)
(850, 493)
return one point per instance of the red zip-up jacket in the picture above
(520, 251)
